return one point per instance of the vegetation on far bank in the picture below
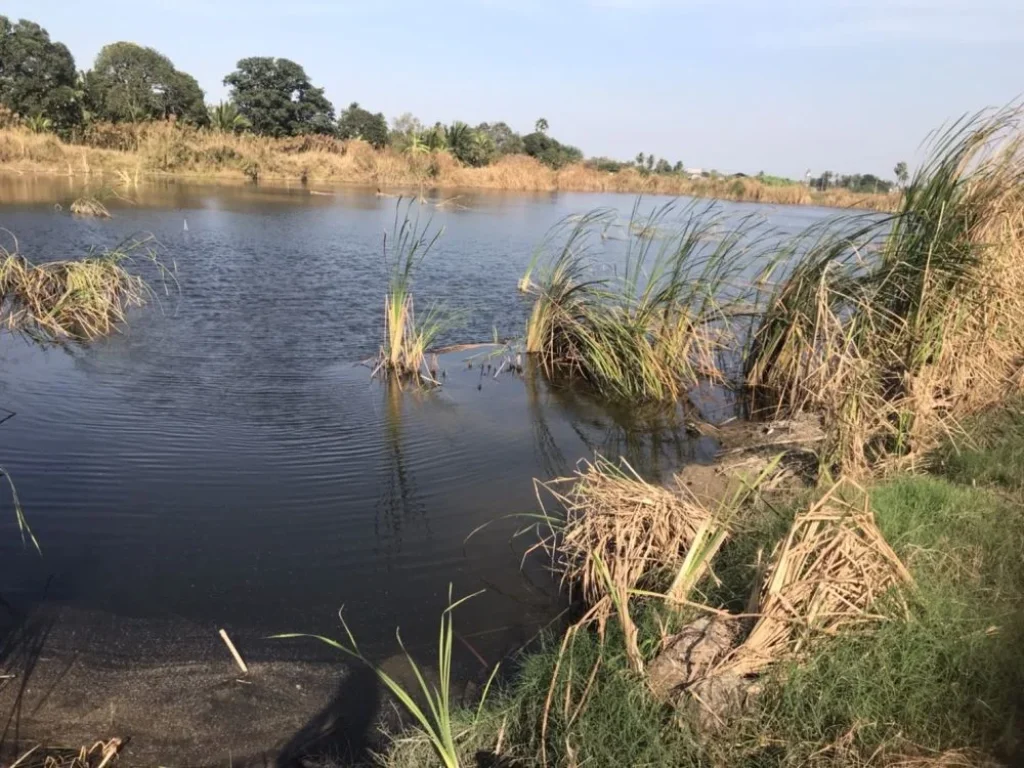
(132, 92)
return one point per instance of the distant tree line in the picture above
(129, 83)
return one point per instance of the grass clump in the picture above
(403, 355)
(652, 331)
(77, 300)
(89, 206)
(894, 329)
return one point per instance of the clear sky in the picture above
(747, 85)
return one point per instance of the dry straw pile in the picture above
(619, 528)
(834, 572)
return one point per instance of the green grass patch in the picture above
(949, 678)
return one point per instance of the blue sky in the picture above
(773, 85)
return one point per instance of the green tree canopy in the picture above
(549, 151)
(129, 83)
(277, 99)
(358, 123)
(37, 75)
(469, 146)
(505, 140)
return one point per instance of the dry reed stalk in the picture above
(833, 572)
(616, 522)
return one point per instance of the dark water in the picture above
(226, 462)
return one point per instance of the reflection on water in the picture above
(226, 462)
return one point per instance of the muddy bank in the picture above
(173, 694)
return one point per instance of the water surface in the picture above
(227, 462)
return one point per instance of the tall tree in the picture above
(358, 123)
(901, 173)
(129, 83)
(37, 75)
(541, 126)
(276, 97)
(505, 140)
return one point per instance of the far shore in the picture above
(164, 151)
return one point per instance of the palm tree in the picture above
(225, 117)
(38, 124)
(541, 126)
(436, 138)
(901, 173)
(417, 146)
(460, 138)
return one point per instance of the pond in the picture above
(227, 462)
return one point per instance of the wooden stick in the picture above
(234, 652)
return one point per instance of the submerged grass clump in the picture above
(895, 328)
(653, 330)
(89, 206)
(403, 355)
(71, 300)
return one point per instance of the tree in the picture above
(358, 123)
(678, 167)
(541, 126)
(436, 138)
(225, 117)
(663, 166)
(505, 140)
(37, 75)
(470, 147)
(650, 162)
(901, 173)
(640, 159)
(129, 83)
(276, 97)
(405, 132)
(549, 151)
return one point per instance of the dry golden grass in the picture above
(68, 300)
(166, 148)
(617, 527)
(833, 573)
(895, 330)
(89, 206)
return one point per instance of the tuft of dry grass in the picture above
(89, 206)
(70, 300)
(617, 528)
(833, 573)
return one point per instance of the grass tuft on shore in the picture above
(895, 329)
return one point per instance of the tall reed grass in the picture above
(654, 329)
(403, 353)
(894, 328)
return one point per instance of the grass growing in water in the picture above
(652, 331)
(89, 206)
(896, 328)
(75, 299)
(406, 339)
